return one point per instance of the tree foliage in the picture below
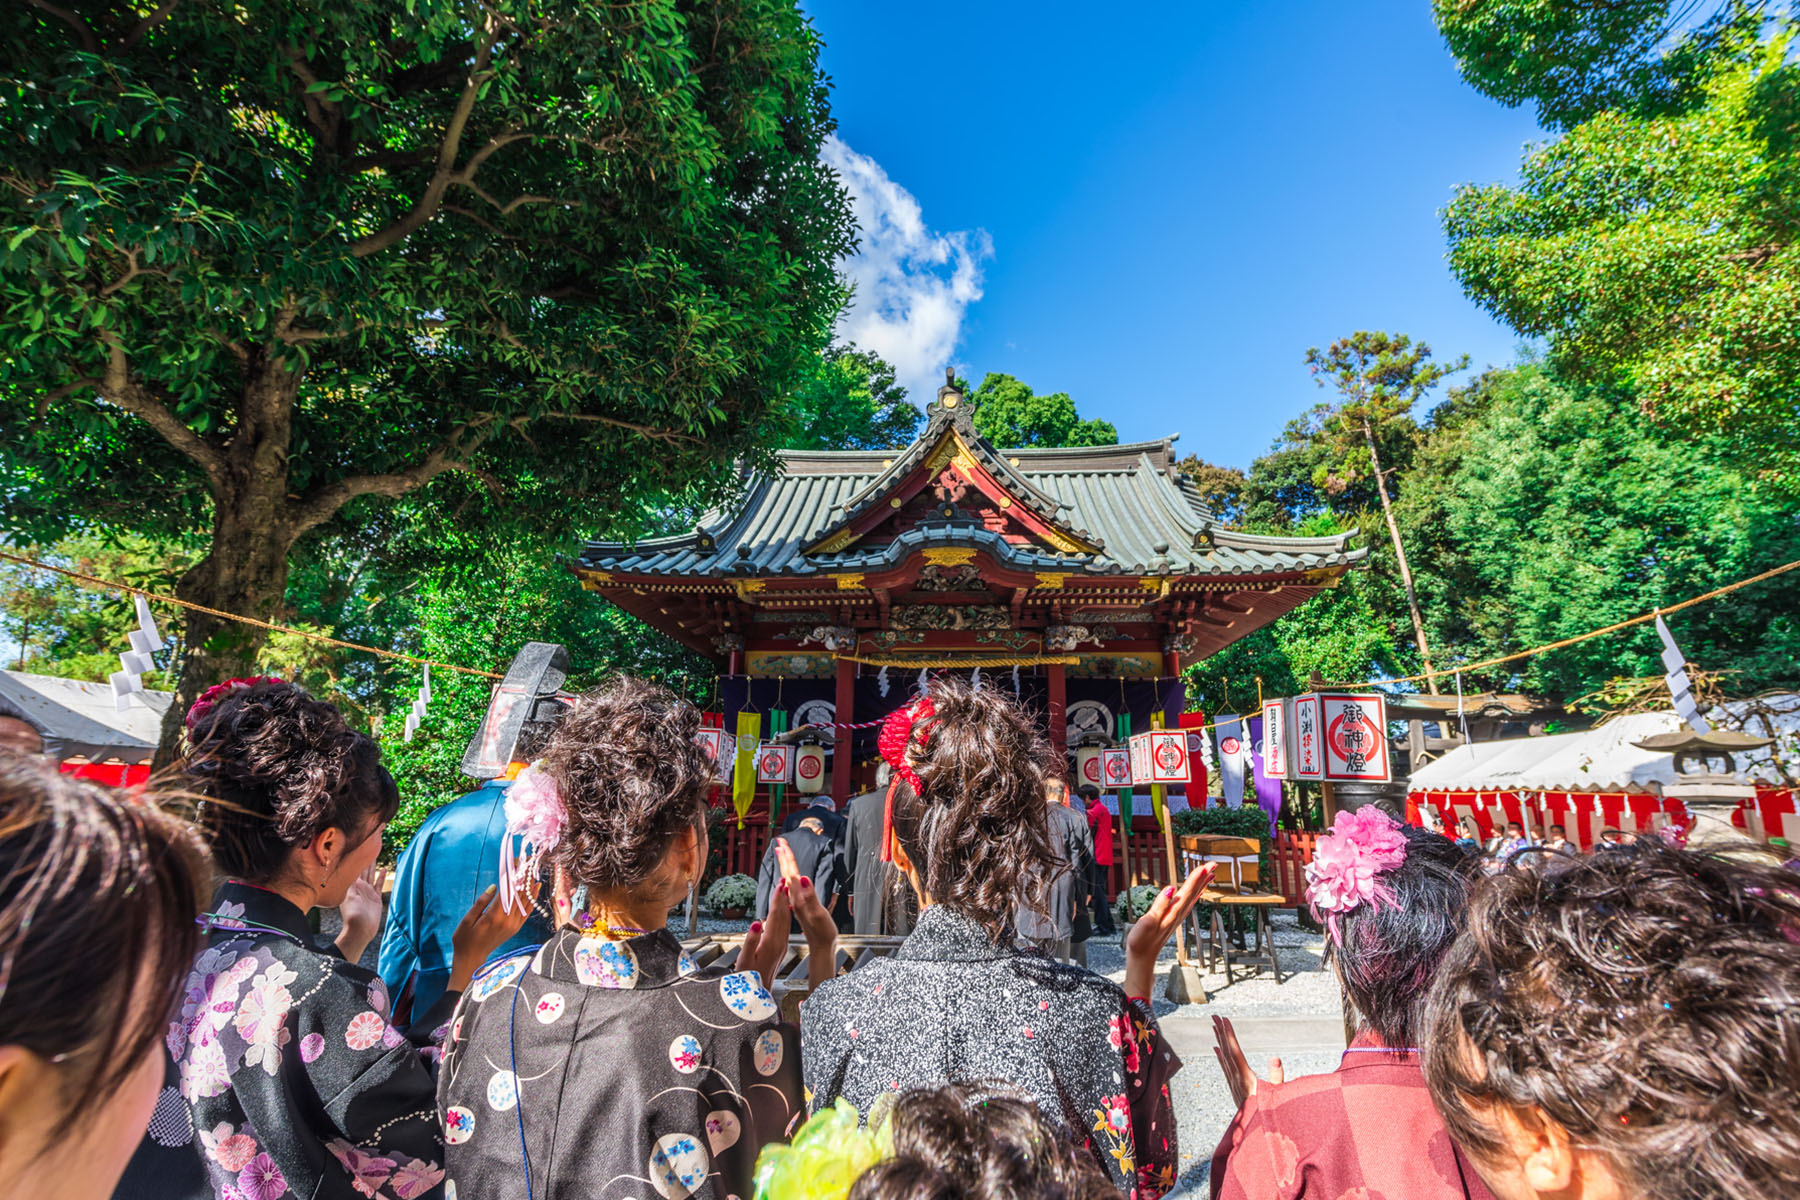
(1008, 413)
(1656, 250)
(263, 262)
(850, 401)
(1577, 58)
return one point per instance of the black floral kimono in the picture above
(951, 1006)
(605, 1070)
(297, 1084)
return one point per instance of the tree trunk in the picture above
(246, 569)
(1406, 580)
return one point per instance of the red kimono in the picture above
(1369, 1125)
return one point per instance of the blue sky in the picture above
(1157, 208)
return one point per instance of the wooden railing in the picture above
(1144, 857)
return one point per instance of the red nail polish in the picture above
(756, 927)
(805, 882)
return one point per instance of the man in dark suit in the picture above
(816, 836)
(1052, 929)
(876, 906)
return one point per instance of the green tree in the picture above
(1578, 58)
(1380, 378)
(1540, 509)
(1656, 249)
(850, 401)
(1008, 413)
(259, 263)
(74, 631)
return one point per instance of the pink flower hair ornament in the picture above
(1348, 864)
(217, 692)
(535, 819)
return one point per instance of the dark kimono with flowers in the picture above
(599, 1069)
(297, 1084)
(952, 1007)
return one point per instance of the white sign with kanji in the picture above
(1355, 736)
(1115, 768)
(1275, 741)
(774, 764)
(1160, 756)
(1309, 739)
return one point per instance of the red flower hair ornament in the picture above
(217, 692)
(903, 728)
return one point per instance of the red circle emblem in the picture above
(1229, 745)
(810, 766)
(1170, 757)
(1118, 769)
(1353, 737)
(771, 763)
(1090, 770)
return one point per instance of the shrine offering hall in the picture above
(1081, 578)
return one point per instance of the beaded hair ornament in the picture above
(535, 819)
(1348, 865)
(904, 728)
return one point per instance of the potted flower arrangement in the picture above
(731, 896)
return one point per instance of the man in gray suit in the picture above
(876, 905)
(1052, 930)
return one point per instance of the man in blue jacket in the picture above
(455, 854)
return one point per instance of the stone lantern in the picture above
(1711, 797)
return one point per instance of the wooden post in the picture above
(841, 738)
(1059, 720)
(1330, 804)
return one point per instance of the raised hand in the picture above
(815, 920)
(1144, 944)
(1238, 1076)
(767, 942)
(485, 928)
(361, 913)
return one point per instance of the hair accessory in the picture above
(535, 816)
(827, 1155)
(1348, 864)
(218, 691)
(895, 739)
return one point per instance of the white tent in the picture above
(1602, 759)
(81, 720)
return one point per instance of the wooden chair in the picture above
(1236, 886)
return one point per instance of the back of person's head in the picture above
(884, 775)
(1393, 898)
(824, 801)
(276, 768)
(98, 901)
(631, 778)
(968, 1142)
(19, 738)
(1089, 793)
(1641, 1008)
(1056, 790)
(973, 822)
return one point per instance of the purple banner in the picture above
(1268, 791)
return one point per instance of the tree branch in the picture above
(119, 389)
(322, 503)
(649, 431)
(148, 23)
(89, 42)
(132, 271)
(54, 394)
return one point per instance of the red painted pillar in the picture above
(842, 741)
(1059, 722)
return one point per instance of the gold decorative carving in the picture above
(593, 581)
(836, 542)
(850, 582)
(1006, 502)
(745, 587)
(949, 558)
(1066, 544)
(894, 502)
(1051, 579)
(1150, 583)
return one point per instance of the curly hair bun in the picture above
(978, 1142)
(279, 767)
(1648, 1001)
(631, 777)
(978, 830)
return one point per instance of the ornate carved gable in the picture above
(952, 477)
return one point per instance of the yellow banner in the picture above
(1157, 791)
(743, 773)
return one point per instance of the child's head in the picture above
(1628, 1020)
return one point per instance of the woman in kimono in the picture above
(297, 1084)
(97, 905)
(962, 1002)
(607, 1064)
(1392, 898)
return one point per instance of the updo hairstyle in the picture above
(978, 830)
(970, 1142)
(1389, 953)
(631, 776)
(276, 768)
(98, 900)
(1645, 999)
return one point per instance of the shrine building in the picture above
(1081, 579)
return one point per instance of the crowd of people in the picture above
(1622, 1024)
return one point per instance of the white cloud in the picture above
(913, 284)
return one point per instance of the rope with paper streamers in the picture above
(112, 585)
